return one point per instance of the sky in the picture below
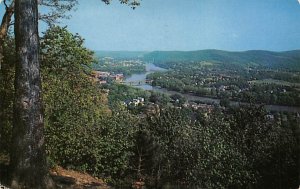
(234, 25)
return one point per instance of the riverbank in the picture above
(150, 68)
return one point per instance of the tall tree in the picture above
(55, 10)
(28, 157)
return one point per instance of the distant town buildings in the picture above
(103, 77)
(205, 107)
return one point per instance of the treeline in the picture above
(236, 148)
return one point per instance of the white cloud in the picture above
(299, 1)
(2, 0)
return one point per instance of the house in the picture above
(270, 117)
(135, 101)
(117, 77)
(102, 77)
(99, 74)
(222, 88)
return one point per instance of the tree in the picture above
(57, 10)
(73, 102)
(178, 99)
(28, 158)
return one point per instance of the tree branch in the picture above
(6, 7)
(6, 20)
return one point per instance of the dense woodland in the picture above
(160, 143)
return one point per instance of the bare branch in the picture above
(6, 7)
(132, 3)
(6, 20)
(57, 9)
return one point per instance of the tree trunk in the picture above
(28, 158)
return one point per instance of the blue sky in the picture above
(234, 25)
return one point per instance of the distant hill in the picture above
(287, 59)
(121, 54)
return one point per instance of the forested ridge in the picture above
(289, 60)
(285, 60)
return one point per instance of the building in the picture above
(135, 101)
(103, 77)
(117, 77)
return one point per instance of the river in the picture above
(151, 68)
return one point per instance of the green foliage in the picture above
(196, 153)
(119, 93)
(7, 74)
(179, 99)
(73, 103)
(159, 98)
(236, 149)
(80, 133)
(69, 94)
(103, 150)
(117, 135)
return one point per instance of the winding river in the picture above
(151, 68)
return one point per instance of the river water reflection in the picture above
(151, 68)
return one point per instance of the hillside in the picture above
(286, 60)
